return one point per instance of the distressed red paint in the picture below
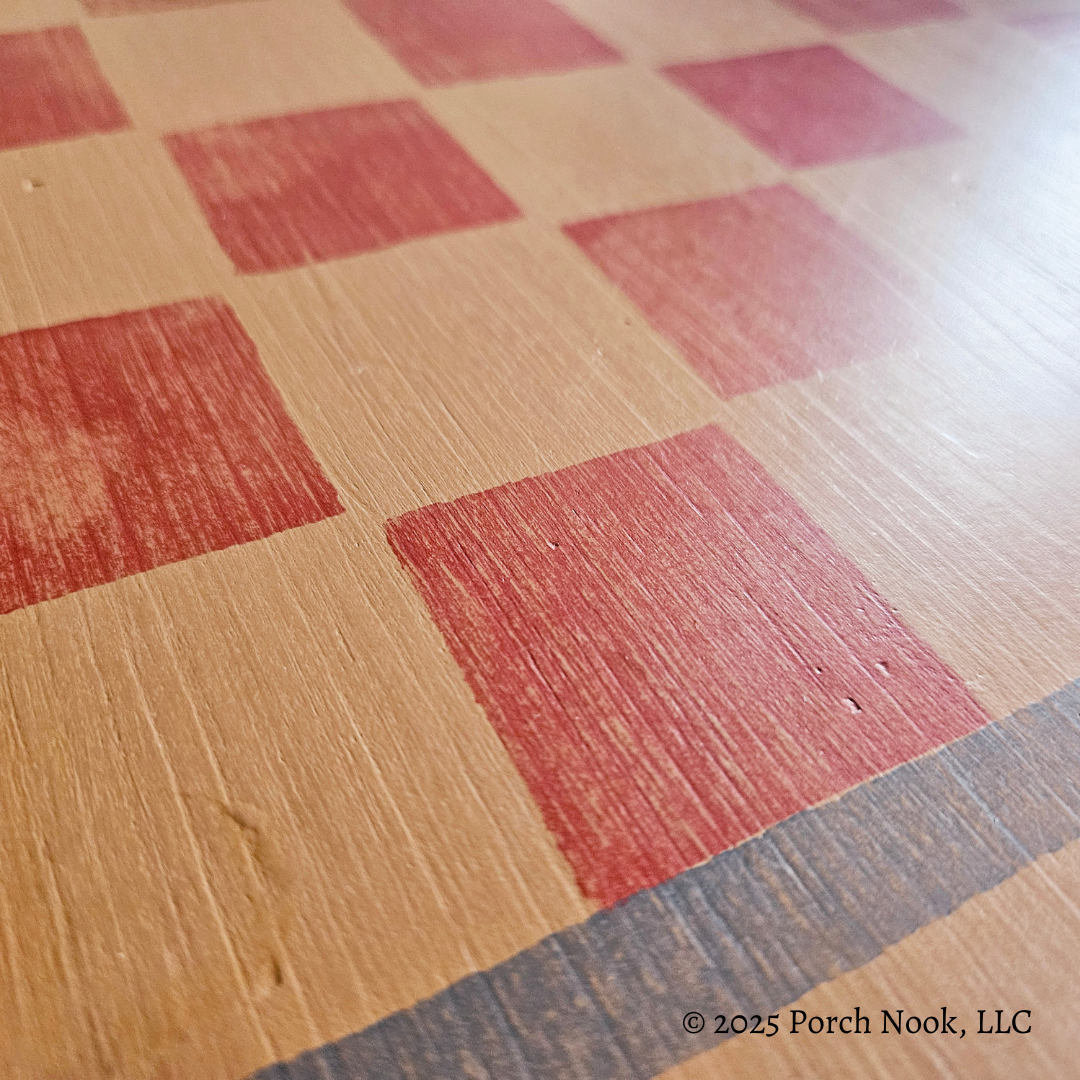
(812, 106)
(756, 288)
(290, 190)
(673, 653)
(1055, 26)
(140, 439)
(445, 41)
(53, 89)
(851, 16)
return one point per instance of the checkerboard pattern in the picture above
(488, 467)
(54, 89)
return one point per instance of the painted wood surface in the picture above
(306, 188)
(812, 106)
(756, 289)
(54, 89)
(439, 444)
(744, 933)
(442, 41)
(675, 656)
(138, 440)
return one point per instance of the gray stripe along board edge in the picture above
(749, 931)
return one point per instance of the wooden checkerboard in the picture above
(525, 522)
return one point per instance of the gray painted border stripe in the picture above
(749, 931)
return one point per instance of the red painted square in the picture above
(52, 89)
(445, 41)
(851, 16)
(812, 106)
(756, 288)
(322, 185)
(673, 653)
(137, 440)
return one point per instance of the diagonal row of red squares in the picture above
(440, 40)
(744, 285)
(674, 654)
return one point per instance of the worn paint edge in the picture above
(752, 929)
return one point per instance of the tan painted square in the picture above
(669, 31)
(98, 225)
(976, 958)
(454, 364)
(950, 477)
(909, 202)
(32, 14)
(985, 226)
(976, 72)
(189, 69)
(265, 802)
(597, 142)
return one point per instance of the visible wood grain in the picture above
(538, 138)
(94, 226)
(314, 186)
(756, 289)
(674, 656)
(249, 802)
(53, 88)
(299, 683)
(138, 440)
(811, 106)
(1032, 962)
(192, 68)
(443, 41)
(752, 929)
